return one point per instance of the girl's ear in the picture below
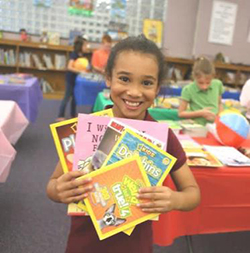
(108, 81)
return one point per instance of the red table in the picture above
(225, 204)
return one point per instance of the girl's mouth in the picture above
(132, 105)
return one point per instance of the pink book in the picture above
(90, 130)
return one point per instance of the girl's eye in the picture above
(124, 78)
(147, 83)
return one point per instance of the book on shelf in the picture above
(60, 61)
(48, 61)
(54, 38)
(37, 61)
(112, 204)
(229, 156)
(7, 57)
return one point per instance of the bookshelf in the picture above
(232, 75)
(42, 60)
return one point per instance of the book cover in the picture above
(91, 130)
(64, 138)
(112, 204)
(197, 157)
(188, 142)
(229, 156)
(156, 162)
(114, 130)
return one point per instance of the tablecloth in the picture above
(12, 124)
(86, 90)
(225, 204)
(28, 95)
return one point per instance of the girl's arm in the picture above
(64, 188)
(204, 113)
(220, 106)
(163, 199)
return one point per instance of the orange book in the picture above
(112, 205)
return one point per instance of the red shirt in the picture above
(99, 58)
(84, 239)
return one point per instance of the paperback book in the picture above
(229, 156)
(91, 130)
(156, 162)
(201, 158)
(64, 138)
(112, 204)
(114, 130)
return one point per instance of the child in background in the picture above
(24, 35)
(201, 99)
(134, 72)
(80, 46)
(100, 56)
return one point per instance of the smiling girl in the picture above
(134, 72)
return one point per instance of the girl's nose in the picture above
(134, 90)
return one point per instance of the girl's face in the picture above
(203, 81)
(134, 84)
(84, 46)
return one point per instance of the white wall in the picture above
(187, 28)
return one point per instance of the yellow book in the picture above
(64, 138)
(112, 205)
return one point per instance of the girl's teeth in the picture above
(132, 103)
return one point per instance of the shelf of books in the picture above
(233, 75)
(42, 60)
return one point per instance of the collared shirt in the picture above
(199, 99)
(245, 97)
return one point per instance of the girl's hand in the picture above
(207, 114)
(162, 199)
(69, 190)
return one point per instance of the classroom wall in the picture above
(239, 52)
(179, 28)
(187, 28)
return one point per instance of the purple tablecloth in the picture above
(28, 96)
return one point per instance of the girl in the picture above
(134, 72)
(203, 96)
(100, 56)
(80, 46)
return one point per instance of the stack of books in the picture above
(121, 156)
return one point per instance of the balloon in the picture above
(81, 64)
(232, 129)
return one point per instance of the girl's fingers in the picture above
(73, 184)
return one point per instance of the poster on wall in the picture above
(81, 7)
(222, 22)
(152, 29)
(42, 3)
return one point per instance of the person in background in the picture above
(80, 46)
(24, 35)
(100, 56)
(134, 72)
(245, 98)
(201, 99)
